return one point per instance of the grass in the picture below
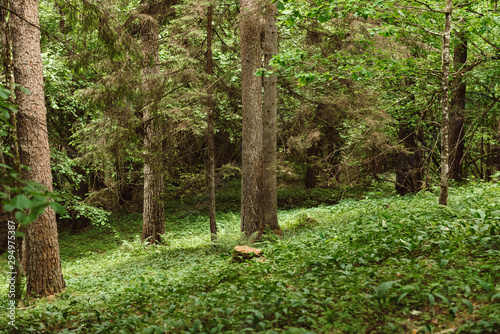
(379, 265)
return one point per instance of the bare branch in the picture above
(429, 7)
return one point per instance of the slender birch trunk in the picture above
(445, 105)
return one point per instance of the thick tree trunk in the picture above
(153, 215)
(252, 132)
(42, 263)
(445, 105)
(457, 146)
(210, 132)
(269, 191)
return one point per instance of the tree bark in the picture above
(153, 215)
(445, 105)
(153, 209)
(210, 131)
(270, 107)
(457, 146)
(252, 129)
(42, 263)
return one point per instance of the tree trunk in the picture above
(497, 158)
(457, 112)
(42, 263)
(210, 132)
(153, 214)
(445, 105)
(252, 132)
(311, 170)
(409, 178)
(13, 159)
(269, 191)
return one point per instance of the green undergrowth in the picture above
(383, 265)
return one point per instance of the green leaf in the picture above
(20, 202)
(38, 201)
(495, 296)
(443, 298)
(443, 263)
(20, 234)
(280, 5)
(4, 94)
(469, 305)
(382, 288)
(485, 285)
(402, 297)
(431, 298)
(25, 90)
(58, 208)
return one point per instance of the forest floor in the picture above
(377, 265)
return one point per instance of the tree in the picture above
(41, 259)
(210, 130)
(445, 104)
(270, 83)
(252, 129)
(457, 145)
(153, 210)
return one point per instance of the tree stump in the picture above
(243, 253)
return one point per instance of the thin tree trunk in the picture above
(42, 263)
(210, 132)
(252, 131)
(269, 193)
(311, 170)
(457, 146)
(498, 147)
(13, 159)
(445, 104)
(153, 215)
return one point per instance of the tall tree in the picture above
(252, 131)
(153, 210)
(270, 49)
(41, 259)
(457, 146)
(210, 130)
(13, 158)
(445, 104)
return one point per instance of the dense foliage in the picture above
(381, 264)
(361, 91)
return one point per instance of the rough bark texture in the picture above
(210, 132)
(269, 191)
(445, 105)
(457, 146)
(153, 214)
(42, 263)
(252, 132)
